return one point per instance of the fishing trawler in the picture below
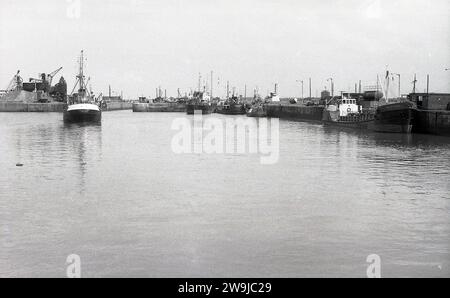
(200, 101)
(231, 106)
(257, 108)
(82, 106)
(346, 112)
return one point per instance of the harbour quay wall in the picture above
(117, 105)
(435, 122)
(294, 111)
(17, 106)
(159, 107)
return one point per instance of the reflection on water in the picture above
(85, 141)
(117, 196)
(57, 147)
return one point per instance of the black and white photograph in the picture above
(225, 140)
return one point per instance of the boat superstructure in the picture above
(257, 107)
(347, 113)
(273, 96)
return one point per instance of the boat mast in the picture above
(80, 76)
(81, 73)
(378, 81)
(212, 73)
(310, 89)
(387, 86)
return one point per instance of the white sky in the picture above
(139, 45)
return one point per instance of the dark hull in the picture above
(294, 111)
(204, 108)
(359, 121)
(256, 112)
(82, 116)
(350, 124)
(231, 110)
(395, 118)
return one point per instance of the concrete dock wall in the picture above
(16, 106)
(294, 111)
(159, 107)
(117, 105)
(432, 122)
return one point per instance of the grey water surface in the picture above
(119, 197)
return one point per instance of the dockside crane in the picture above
(51, 75)
(15, 83)
(46, 77)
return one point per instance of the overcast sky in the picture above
(139, 45)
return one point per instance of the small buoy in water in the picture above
(19, 164)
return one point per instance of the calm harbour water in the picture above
(118, 196)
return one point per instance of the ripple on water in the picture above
(118, 192)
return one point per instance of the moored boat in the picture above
(395, 117)
(346, 113)
(257, 108)
(201, 102)
(231, 106)
(257, 111)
